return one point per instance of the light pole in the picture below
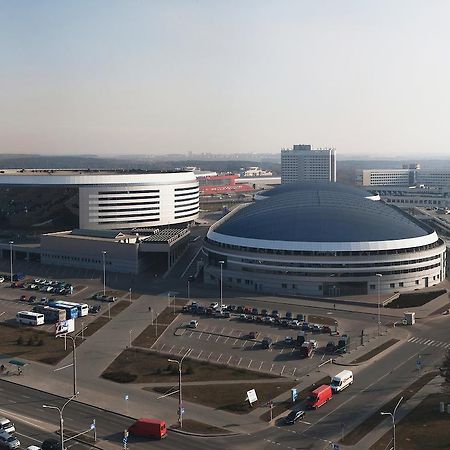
(379, 275)
(74, 359)
(104, 272)
(129, 290)
(61, 420)
(188, 289)
(392, 414)
(180, 395)
(11, 258)
(221, 283)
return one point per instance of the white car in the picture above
(193, 324)
(6, 425)
(214, 305)
(313, 342)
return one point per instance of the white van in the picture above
(6, 425)
(342, 380)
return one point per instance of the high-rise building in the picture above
(303, 163)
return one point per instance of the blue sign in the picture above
(182, 411)
(294, 394)
(125, 440)
(92, 426)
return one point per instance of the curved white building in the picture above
(116, 200)
(323, 242)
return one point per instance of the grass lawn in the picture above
(375, 351)
(149, 336)
(321, 320)
(102, 320)
(413, 300)
(285, 405)
(372, 421)
(423, 428)
(37, 345)
(231, 397)
(143, 366)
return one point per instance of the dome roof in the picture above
(317, 215)
(317, 186)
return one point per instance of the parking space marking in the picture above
(249, 364)
(181, 351)
(170, 351)
(209, 357)
(293, 373)
(240, 359)
(200, 335)
(282, 350)
(229, 359)
(201, 351)
(234, 343)
(191, 334)
(226, 340)
(272, 367)
(243, 344)
(218, 337)
(209, 337)
(162, 347)
(254, 343)
(262, 362)
(220, 356)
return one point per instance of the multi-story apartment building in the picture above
(303, 163)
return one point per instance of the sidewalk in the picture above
(405, 408)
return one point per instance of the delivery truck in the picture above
(319, 396)
(152, 428)
(342, 380)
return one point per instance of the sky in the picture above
(157, 77)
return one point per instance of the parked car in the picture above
(288, 315)
(226, 314)
(316, 328)
(94, 309)
(289, 340)
(266, 342)
(252, 334)
(293, 417)
(268, 319)
(23, 298)
(313, 342)
(193, 324)
(51, 444)
(214, 305)
(32, 299)
(264, 312)
(240, 309)
(8, 441)
(330, 347)
(6, 425)
(300, 317)
(2, 279)
(255, 311)
(326, 329)
(275, 313)
(295, 324)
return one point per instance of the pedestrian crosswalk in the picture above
(429, 342)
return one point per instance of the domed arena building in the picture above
(323, 240)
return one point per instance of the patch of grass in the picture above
(424, 427)
(414, 300)
(321, 320)
(118, 307)
(152, 367)
(231, 397)
(376, 418)
(149, 336)
(284, 405)
(95, 325)
(102, 320)
(192, 426)
(120, 377)
(31, 344)
(375, 351)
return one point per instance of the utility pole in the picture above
(180, 395)
(104, 272)
(11, 258)
(221, 263)
(379, 275)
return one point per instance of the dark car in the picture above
(255, 311)
(331, 347)
(94, 309)
(293, 417)
(32, 299)
(252, 334)
(288, 315)
(240, 309)
(51, 444)
(264, 312)
(326, 329)
(23, 298)
(275, 313)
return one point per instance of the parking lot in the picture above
(237, 342)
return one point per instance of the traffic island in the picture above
(230, 397)
(146, 366)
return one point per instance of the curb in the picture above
(188, 433)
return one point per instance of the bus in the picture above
(30, 318)
(83, 308)
(51, 315)
(71, 311)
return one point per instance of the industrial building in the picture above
(323, 241)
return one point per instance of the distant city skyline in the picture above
(112, 78)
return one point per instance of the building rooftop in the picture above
(321, 215)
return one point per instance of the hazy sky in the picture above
(148, 76)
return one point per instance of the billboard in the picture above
(64, 326)
(251, 396)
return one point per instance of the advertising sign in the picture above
(251, 396)
(65, 326)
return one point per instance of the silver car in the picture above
(8, 441)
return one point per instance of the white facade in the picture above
(255, 172)
(303, 163)
(116, 201)
(405, 177)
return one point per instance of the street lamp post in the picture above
(392, 414)
(180, 395)
(221, 283)
(188, 289)
(61, 420)
(74, 359)
(11, 258)
(104, 272)
(379, 275)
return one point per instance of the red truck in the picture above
(319, 396)
(153, 428)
